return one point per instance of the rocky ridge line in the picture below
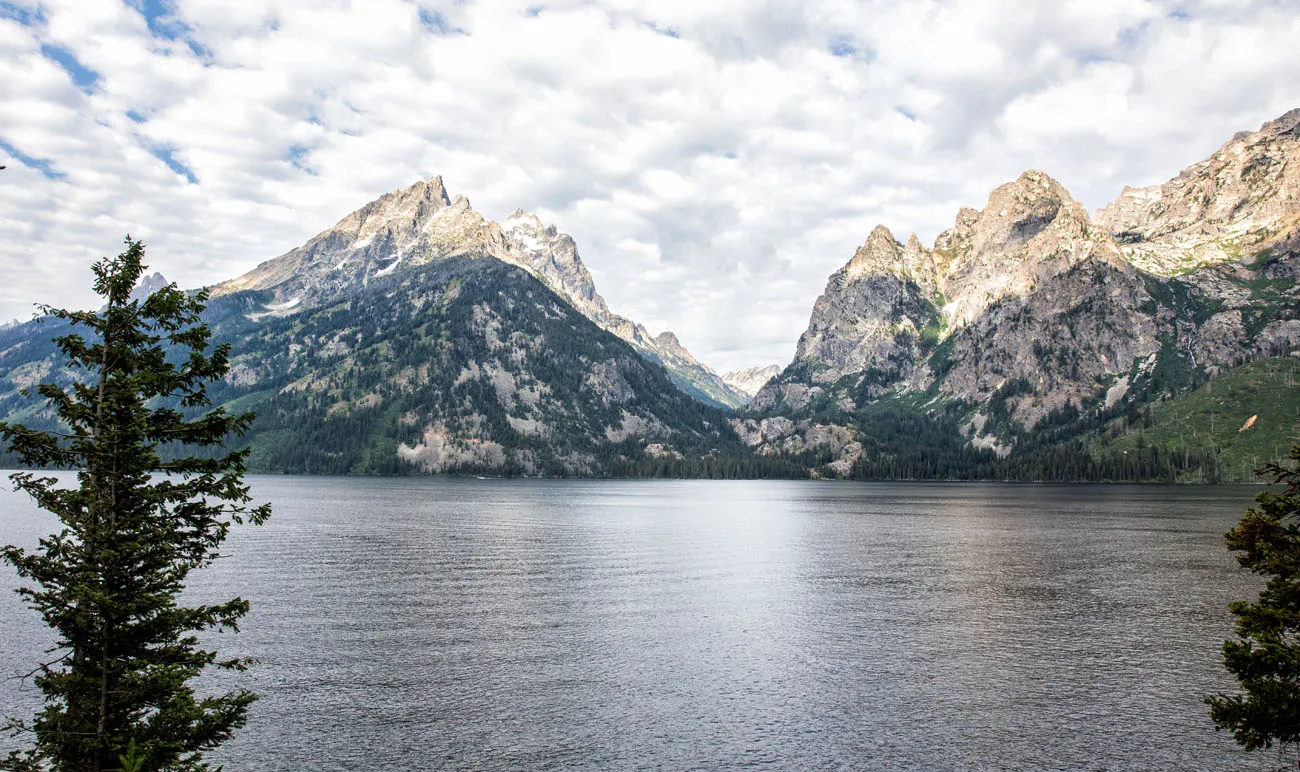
(411, 227)
(1026, 307)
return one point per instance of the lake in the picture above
(426, 623)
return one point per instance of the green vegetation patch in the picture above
(1211, 419)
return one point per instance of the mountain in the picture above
(1154, 341)
(1028, 324)
(148, 285)
(467, 363)
(748, 381)
(463, 364)
(1243, 200)
(413, 227)
(415, 335)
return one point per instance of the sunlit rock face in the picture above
(1242, 200)
(1027, 269)
(749, 380)
(1031, 303)
(421, 224)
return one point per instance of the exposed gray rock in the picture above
(606, 379)
(1028, 299)
(411, 227)
(871, 315)
(750, 380)
(1240, 201)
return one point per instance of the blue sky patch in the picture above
(81, 75)
(160, 16)
(42, 165)
(906, 113)
(848, 48)
(24, 16)
(669, 31)
(437, 23)
(843, 47)
(1132, 35)
(161, 19)
(298, 158)
(166, 155)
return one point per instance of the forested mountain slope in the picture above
(465, 364)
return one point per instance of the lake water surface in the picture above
(416, 624)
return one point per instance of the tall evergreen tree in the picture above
(120, 693)
(1265, 658)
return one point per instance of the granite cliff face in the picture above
(1225, 234)
(1030, 314)
(1242, 200)
(410, 228)
(1004, 291)
(871, 315)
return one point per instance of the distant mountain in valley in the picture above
(751, 380)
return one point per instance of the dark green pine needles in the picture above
(1265, 658)
(118, 686)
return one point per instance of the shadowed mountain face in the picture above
(407, 229)
(463, 364)
(1030, 316)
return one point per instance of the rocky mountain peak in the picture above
(751, 380)
(420, 224)
(148, 285)
(1242, 200)
(882, 311)
(1018, 211)
(881, 251)
(553, 257)
(668, 340)
(1287, 123)
(1030, 229)
(523, 220)
(403, 209)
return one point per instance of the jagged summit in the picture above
(891, 298)
(1243, 199)
(148, 285)
(1286, 123)
(882, 253)
(1029, 230)
(420, 224)
(1025, 311)
(751, 379)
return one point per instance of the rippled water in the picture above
(414, 624)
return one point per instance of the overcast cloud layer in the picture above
(715, 160)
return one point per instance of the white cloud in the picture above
(714, 160)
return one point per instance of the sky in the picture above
(715, 160)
